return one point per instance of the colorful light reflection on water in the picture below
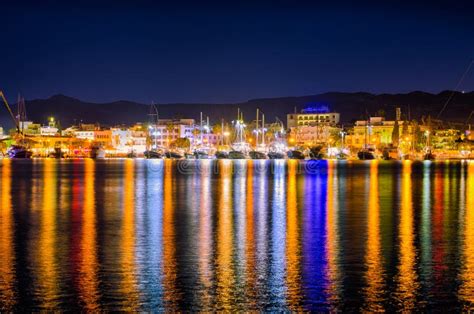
(236, 235)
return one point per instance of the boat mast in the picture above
(200, 128)
(263, 129)
(208, 129)
(256, 130)
(222, 131)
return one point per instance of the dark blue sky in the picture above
(208, 52)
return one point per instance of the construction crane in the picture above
(15, 120)
(468, 120)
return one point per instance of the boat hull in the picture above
(363, 155)
(295, 154)
(237, 155)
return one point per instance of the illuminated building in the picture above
(377, 132)
(314, 134)
(314, 125)
(312, 116)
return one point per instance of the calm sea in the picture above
(236, 235)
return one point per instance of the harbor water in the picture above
(137, 234)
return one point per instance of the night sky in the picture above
(218, 52)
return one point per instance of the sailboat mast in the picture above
(263, 129)
(222, 131)
(256, 130)
(207, 130)
(200, 127)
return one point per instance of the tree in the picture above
(396, 134)
(169, 129)
(181, 142)
(381, 113)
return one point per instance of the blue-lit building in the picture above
(313, 116)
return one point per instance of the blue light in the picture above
(316, 108)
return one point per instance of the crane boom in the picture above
(469, 118)
(5, 102)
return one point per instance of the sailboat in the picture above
(260, 148)
(240, 148)
(278, 147)
(366, 153)
(428, 154)
(202, 151)
(152, 150)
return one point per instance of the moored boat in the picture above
(97, 152)
(235, 154)
(152, 154)
(199, 154)
(19, 151)
(295, 154)
(366, 154)
(276, 155)
(222, 155)
(173, 155)
(257, 155)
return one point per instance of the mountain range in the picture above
(352, 106)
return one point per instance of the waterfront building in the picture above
(138, 138)
(169, 130)
(103, 138)
(445, 139)
(313, 126)
(378, 132)
(29, 128)
(320, 115)
(312, 135)
(84, 134)
(121, 140)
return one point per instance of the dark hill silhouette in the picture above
(351, 106)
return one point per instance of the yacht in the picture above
(19, 151)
